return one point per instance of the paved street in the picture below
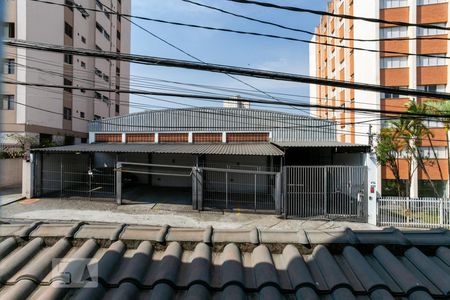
(144, 214)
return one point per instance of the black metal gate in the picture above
(331, 192)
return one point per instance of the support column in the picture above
(119, 183)
(371, 188)
(27, 177)
(278, 193)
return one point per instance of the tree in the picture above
(388, 151)
(22, 144)
(403, 139)
(443, 108)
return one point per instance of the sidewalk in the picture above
(9, 195)
(70, 210)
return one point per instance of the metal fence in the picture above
(414, 212)
(331, 192)
(66, 175)
(241, 189)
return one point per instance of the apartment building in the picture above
(329, 60)
(53, 114)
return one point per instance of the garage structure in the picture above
(207, 158)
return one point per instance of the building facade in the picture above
(329, 60)
(56, 115)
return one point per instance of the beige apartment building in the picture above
(393, 70)
(53, 114)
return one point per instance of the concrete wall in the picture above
(10, 172)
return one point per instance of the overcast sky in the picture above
(221, 47)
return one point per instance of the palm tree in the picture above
(412, 130)
(443, 108)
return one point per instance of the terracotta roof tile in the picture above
(139, 262)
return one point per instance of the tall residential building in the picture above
(53, 114)
(388, 69)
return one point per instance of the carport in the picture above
(154, 173)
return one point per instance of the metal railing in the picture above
(414, 212)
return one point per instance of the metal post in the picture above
(61, 177)
(255, 192)
(277, 195)
(285, 192)
(90, 175)
(226, 190)
(325, 189)
(119, 183)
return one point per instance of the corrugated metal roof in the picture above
(265, 149)
(284, 126)
(142, 262)
(319, 144)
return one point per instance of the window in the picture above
(68, 30)
(9, 30)
(394, 62)
(7, 102)
(427, 2)
(117, 108)
(105, 99)
(433, 123)
(427, 152)
(431, 31)
(117, 71)
(83, 65)
(432, 88)
(68, 59)
(97, 117)
(82, 114)
(118, 34)
(99, 4)
(10, 66)
(69, 4)
(392, 95)
(393, 3)
(106, 78)
(394, 32)
(83, 39)
(99, 27)
(82, 91)
(431, 61)
(67, 113)
(98, 72)
(68, 82)
(98, 95)
(426, 189)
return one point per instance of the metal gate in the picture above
(241, 190)
(331, 192)
(73, 175)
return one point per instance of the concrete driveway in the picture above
(10, 194)
(147, 214)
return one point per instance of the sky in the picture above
(221, 47)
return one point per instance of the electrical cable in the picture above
(256, 73)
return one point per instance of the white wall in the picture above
(313, 72)
(367, 65)
(10, 172)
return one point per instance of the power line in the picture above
(170, 88)
(344, 16)
(306, 31)
(256, 73)
(220, 98)
(273, 36)
(190, 55)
